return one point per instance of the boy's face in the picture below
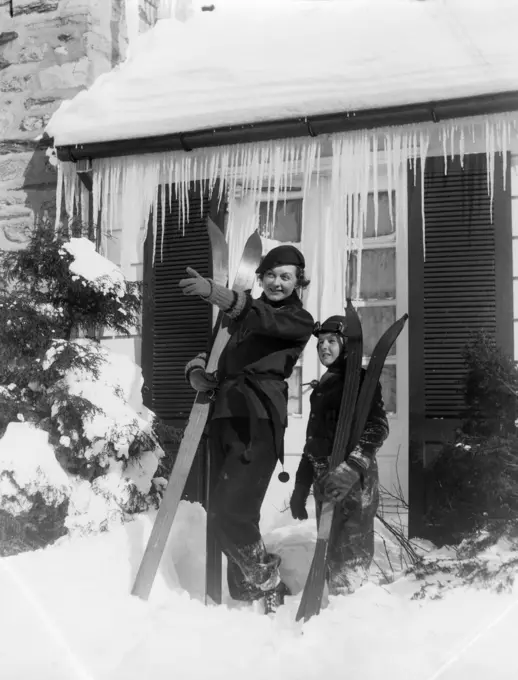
(279, 283)
(329, 347)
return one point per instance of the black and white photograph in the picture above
(258, 339)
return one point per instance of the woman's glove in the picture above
(196, 284)
(298, 502)
(197, 376)
(201, 381)
(337, 484)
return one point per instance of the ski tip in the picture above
(254, 243)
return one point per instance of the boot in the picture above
(273, 599)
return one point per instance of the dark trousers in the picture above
(244, 469)
(351, 542)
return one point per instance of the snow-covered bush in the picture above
(490, 389)
(90, 413)
(59, 294)
(34, 490)
(63, 284)
(473, 483)
(480, 561)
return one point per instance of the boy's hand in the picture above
(337, 484)
(195, 284)
(298, 502)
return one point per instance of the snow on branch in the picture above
(104, 276)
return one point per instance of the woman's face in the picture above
(279, 283)
(329, 347)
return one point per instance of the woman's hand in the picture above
(196, 284)
(201, 381)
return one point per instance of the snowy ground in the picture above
(67, 614)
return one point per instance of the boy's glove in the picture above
(196, 284)
(298, 502)
(337, 484)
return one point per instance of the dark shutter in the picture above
(464, 285)
(459, 275)
(181, 324)
(176, 327)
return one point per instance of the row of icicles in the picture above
(126, 188)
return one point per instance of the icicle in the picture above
(187, 219)
(69, 184)
(504, 148)
(389, 140)
(185, 193)
(96, 192)
(85, 208)
(443, 133)
(59, 195)
(424, 141)
(284, 180)
(309, 168)
(452, 141)
(461, 148)
(490, 156)
(276, 173)
(162, 225)
(375, 161)
(318, 163)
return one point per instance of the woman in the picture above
(353, 485)
(249, 416)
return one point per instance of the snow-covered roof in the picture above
(253, 62)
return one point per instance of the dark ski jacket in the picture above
(266, 340)
(325, 405)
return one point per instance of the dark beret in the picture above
(279, 256)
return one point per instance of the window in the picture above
(286, 225)
(376, 297)
(295, 391)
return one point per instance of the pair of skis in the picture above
(193, 432)
(352, 418)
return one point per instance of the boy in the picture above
(353, 485)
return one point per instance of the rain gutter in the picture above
(297, 127)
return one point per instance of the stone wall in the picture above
(49, 51)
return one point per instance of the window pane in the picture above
(515, 256)
(287, 224)
(295, 392)
(514, 203)
(378, 279)
(388, 388)
(385, 224)
(375, 321)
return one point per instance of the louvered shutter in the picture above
(182, 324)
(464, 285)
(459, 276)
(176, 327)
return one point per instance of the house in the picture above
(379, 136)
(50, 51)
